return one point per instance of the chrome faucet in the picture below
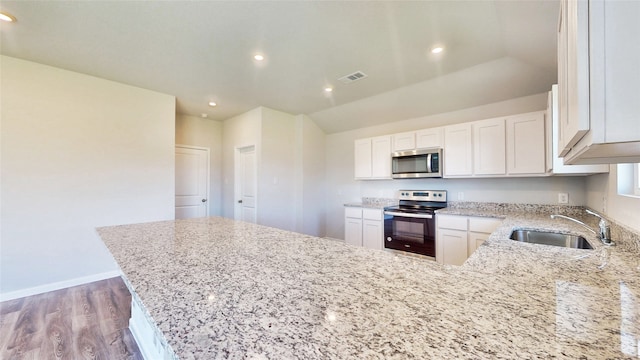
(604, 233)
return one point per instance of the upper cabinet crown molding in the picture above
(599, 81)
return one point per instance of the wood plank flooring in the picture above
(83, 322)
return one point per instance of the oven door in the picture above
(410, 232)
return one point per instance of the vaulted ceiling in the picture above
(202, 51)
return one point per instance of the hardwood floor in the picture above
(83, 322)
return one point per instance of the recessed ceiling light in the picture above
(328, 89)
(7, 17)
(258, 57)
(437, 50)
(212, 103)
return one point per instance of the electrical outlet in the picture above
(563, 198)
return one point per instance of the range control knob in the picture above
(389, 238)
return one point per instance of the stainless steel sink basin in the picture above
(548, 238)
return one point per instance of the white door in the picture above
(246, 204)
(192, 182)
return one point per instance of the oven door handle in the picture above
(409, 215)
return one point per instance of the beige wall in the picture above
(196, 131)
(77, 152)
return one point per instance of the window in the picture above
(629, 179)
(636, 179)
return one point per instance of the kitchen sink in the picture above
(549, 238)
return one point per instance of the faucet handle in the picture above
(594, 214)
(605, 229)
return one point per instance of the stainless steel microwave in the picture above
(419, 163)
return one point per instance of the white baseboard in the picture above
(58, 285)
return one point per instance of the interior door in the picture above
(246, 209)
(192, 182)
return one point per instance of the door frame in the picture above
(237, 208)
(208, 192)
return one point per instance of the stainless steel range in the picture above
(411, 225)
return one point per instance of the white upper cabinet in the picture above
(373, 158)
(458, 150)
(404, 141)
(526, 144)
(381, 157)
(599, 81)
(555, 164)
(363, 158)
(573, 71)
(489, 147)
(430, 138)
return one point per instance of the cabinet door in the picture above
(429, 138)
(362, 158)
(381, 157)
(475, 240)
(404, 141)
(451, 248)
(458, 149)
(525, 144)
(489, 147)
(353, 231)
(573, 60)
(555, 163)
(372, 234)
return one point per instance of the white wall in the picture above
(602, 195)
(196, 131)
(310, 177)
(342, 188)
(237, 132)
(276, 170)
(290, 171)
(77, 152)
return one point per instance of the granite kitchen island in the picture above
(216, 288)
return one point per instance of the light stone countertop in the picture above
(217, 288)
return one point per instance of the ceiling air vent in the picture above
(358, 75)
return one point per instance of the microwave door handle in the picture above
(429, 163)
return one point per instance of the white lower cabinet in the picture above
(364, 227)
(479, 230)
(452, 246)
(457, 237)
(353, 226)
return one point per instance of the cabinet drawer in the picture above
(484, 225)
(452, 222)
(372, 214)
(353, 212)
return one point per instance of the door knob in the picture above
(239, 201)
(204, 200)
